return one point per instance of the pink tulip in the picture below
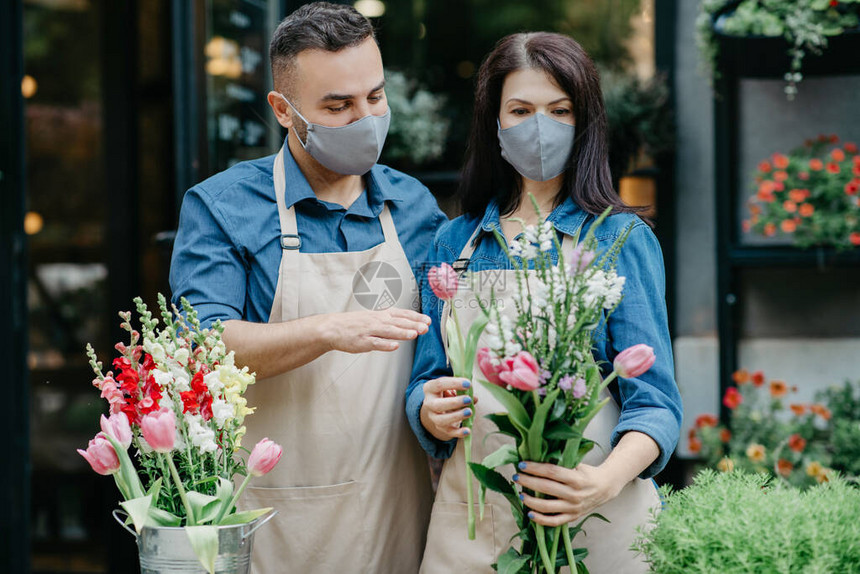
(521, 372)
(101, 455)
(489, 367)
(159, 430)
(634, 361)
(443, 281)
(264, 457)
(117, 428)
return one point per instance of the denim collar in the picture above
(566, 218)
(378, 191)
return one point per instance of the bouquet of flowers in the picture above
(811, 195)
(766, 437)
(539, 366)
(177, 398)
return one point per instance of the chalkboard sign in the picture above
(239, 122)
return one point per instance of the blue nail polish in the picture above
(521, 466)
(466, 384)
(522, 496)
(467, 412)
(515, 478)
(467, 400)
(531, 515)
(466, 432)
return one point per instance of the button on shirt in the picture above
(227, 250)
(651, 403)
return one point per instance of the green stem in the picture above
(233, 501)
(459, 334)
(554, 550)
(544, 555)
(467, 447)
(568, 549)
(175, 474)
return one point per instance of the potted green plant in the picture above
(736, 523)
(779, 37)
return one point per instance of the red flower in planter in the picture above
(732, 399)
(796, 443)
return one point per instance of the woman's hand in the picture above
(443, 411)
(575, 492)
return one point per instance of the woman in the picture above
(540, 128)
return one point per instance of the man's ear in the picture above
(281, 109)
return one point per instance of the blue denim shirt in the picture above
(227, 250)
(650, 404)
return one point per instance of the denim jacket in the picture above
(651, 403)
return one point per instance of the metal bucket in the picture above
(167, 550)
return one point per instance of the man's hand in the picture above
(441, 412)
(363, 331)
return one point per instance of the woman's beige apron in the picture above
(448, 548)
(352, 488)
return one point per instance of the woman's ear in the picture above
(281, 109)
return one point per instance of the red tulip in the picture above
(159, 430)
(634, 361)
(101, 455)
(443, 281)
(264, 457)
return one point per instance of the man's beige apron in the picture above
(352, 488)
(448, 548)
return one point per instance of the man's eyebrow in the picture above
(342, 97)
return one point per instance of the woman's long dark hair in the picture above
(486, 175)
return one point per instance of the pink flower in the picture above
(117, 428)
(101, 455)
(634, 361)
(159, 430)
(264, 457)
(521, 372)
(112, 394)
(488, 368)
(580, 259)
(443, 281)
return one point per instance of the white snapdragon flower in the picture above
(512, 348)
(213, 382)
(162, 378)
(614, 287)
(222, 412)
(200, 435)
(540, 294)
(515, 249)
(545, 236)
(155, 349)
(530, 232)
(181, 356)
(181, 380)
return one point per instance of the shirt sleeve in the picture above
(207, 267)
(651, 403)
(430, 360)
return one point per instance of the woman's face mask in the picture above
(538, 148)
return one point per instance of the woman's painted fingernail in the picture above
(515, 478)
(466, 432)
(467, 400)
(531, 515)
(466, 384)
(467, 413)
(521, 466)
(522, 496)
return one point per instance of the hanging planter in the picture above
(780, 38)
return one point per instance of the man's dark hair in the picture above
(316, 26)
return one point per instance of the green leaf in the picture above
(536, 441)
(475, 331)
(204, 541)
(204, 507)
(243, 517)
(560, 430)
(503, 423)
(159, 517)
(506, 454)
(511, 562)
(498, 483)
(516, 411)
(127, 471)
(138, 510)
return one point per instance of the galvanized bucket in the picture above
(167, 550)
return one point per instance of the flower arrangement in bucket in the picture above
(538, 364)
(811, 195)
(177, 399)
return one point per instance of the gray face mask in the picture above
(538, 148)
(349, 150)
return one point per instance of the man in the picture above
(307, 258)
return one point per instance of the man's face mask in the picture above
(537, 148)
(349, 150)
